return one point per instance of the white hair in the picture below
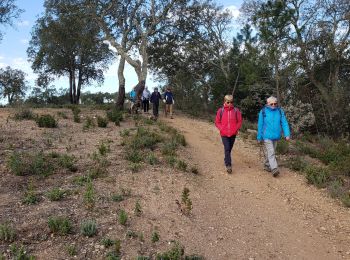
(271, 99)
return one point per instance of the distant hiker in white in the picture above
(272, 121)
(146, 94)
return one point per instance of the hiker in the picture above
(169, 102)
(228, 120)
(272, 121)
(155, 97)
(133, 99)
(145, 99)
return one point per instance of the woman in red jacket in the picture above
(228, 120)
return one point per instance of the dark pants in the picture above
(228, 144)
(155, 109)
(145, 105)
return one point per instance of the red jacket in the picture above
(229, 122)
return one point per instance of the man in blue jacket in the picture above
(272, 121)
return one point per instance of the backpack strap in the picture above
(222, 112)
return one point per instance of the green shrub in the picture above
(122, 217)
(133, 155)
(115, 116)
(7, 233)
(89, 123)
(307, 149)
(102, 122)
(24, 114)
(169, 149)
(171, 160)
(141, 257)
(341, 166)
(104, 148)
(67, 161)
(60, 225)
(180, 139)
(346, 200)
(181, 165)
(152, 159)
(117, 197)
(82, 180)
(194, 257)
(318, 176)
(20, 253)
(107, 242)
(155, 237)
(89, 195)
(138, 209)
(72, 250)
(296, 164)
(282, 147)
(135, 167)
(144, 138)
(336, 188)
(125, 132)
(30, 196)
(55, 194)
(47, 121)
(175, 253)
(76, 111)
(62, 114)
(88, 228)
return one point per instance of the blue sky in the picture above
(15, 43)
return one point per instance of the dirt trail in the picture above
(250, 214)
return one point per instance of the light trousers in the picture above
(270, 154)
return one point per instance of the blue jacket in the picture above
(271, 123)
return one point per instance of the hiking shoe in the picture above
(275, 172)
(229, 169)
(267, 168)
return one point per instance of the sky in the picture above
(15, 42)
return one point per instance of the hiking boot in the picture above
(275, 172)
(229, 169)
(267, 168)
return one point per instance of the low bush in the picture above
(152, 159)
(346, 200)
(102, 122)
(30, 196)
(24, 114)
(89, 123)
(59, 225)
(175, 253)
(296, 164)
(20, 253)
(7, 233)
(122, 217)
(181, 165)
(318, 176)
(282, 147)
(115, 116)
(155, 237)
(55, 194)
(46, 121)
(88, 228)
(336, 188)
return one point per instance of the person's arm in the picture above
(239, 119)
(218, 120)
(260, 126)
(285, 125)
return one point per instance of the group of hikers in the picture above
(155, 98)
(271, 123)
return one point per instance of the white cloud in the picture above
(24, 23)
(3, 65)
(234, 10)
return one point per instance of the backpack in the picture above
(168, 98)
(222, 112)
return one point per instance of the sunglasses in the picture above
(228, 102)
(273, 104)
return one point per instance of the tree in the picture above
(8, 12)
(65, 42)
(13, 84)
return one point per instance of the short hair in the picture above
(271, 99)
(228, 98)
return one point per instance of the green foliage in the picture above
(135, 167)
(133, 155)
(171, 160)
(282, 147)
(89, 195)
(117, 197)
(155, 237)
(318, 176)
(169, 149)
(194, 257)
(30, 196)
(152, 159)
(307, 149)
(125, 133)
(185, 198)
(72, 250)
(122, 217)
(115, 116)
(59, 225)
(55, 194)
(104, 148)
(181, 165)
(296, 164)
(115, 254)
(336, 188)
(89, 123)
(102, 122)
(46, 121)
(180, 139)
(175, 253)
(24, 114)
(138, 209)
(145, 138)
(62, 114)
(7, 233)
(20, 253)
(88, 228)
(82, 180)
(341, 166)
(76, 111)
(346, 200)
(107, 242)
(141, 257)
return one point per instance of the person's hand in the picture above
(287, 138)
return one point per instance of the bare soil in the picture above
(245, 215)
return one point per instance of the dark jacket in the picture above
(155, 97)
(169, 99)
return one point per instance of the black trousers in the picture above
(155, 109)
(145, 105)
(228, 144)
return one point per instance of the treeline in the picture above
(297, 50)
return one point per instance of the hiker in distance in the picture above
(272, 121)
(228, 120)
(146, 94)
(155, 97)
(169, 102)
